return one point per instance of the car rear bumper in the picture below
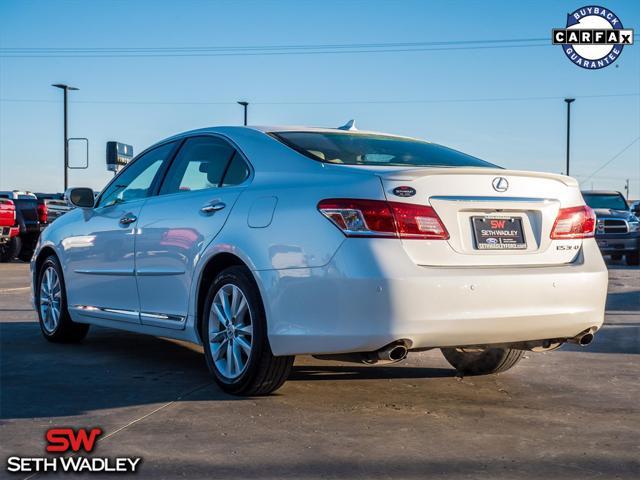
(371, 294)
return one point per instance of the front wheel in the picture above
(482, 361)
(51, 298)
(234, 334)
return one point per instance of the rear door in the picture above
(493, 216)
(197, 195)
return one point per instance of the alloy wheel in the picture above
(230, 331)
(50, 299)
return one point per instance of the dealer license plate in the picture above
(498, 233)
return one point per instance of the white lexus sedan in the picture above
(263, 243)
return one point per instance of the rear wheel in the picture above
(234, 333)
(55, 323)
(482, 361)
(632, 259)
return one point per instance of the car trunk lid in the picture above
(523, 203)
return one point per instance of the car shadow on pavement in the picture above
(109, 369)
(113, 369)
(366, 372)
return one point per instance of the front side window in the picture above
(136, 180)
(375, 150)
(203, 163)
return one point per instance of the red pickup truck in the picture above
(8, 228)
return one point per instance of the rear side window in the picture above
(375, 150)
(236, 173)
(203, 163)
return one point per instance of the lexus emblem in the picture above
(500, 184)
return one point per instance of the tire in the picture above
(27, 248)
(25, 255)
(57, 328)
(6, 252)
(9, 250)
(255, 371)
(632, 259)
(483, 361)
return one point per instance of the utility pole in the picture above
(65, 89)
(626, 188)
(245, 105)
(569, 101)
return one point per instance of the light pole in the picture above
(65, 89)
(569, 102)
(245, 105)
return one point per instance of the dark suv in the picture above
(617, 228)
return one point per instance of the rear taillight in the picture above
(43, 214)
(574, 222)
(377, 218)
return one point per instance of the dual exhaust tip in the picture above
(397, 351)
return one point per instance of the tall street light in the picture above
(569, 102)
(65, 89)
(244, 104)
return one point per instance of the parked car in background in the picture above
(51, 206)
(28, 221)
(8, 229)
(265, 243)
(617, 227)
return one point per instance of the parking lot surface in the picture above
(571, 413)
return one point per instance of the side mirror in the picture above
(81, 197)
(636, 211)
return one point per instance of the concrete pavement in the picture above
(572, 413)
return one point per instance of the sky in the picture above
(149, 69)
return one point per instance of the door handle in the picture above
(213, 207)
(127, 219)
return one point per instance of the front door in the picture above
(199, 190)
(99, 257)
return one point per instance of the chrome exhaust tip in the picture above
(393, 353)
(584, 338)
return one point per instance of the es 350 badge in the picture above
(593, 38)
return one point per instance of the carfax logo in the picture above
(70, 441)
(593, 38)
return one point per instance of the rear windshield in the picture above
(610, 201)
(375, 150)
